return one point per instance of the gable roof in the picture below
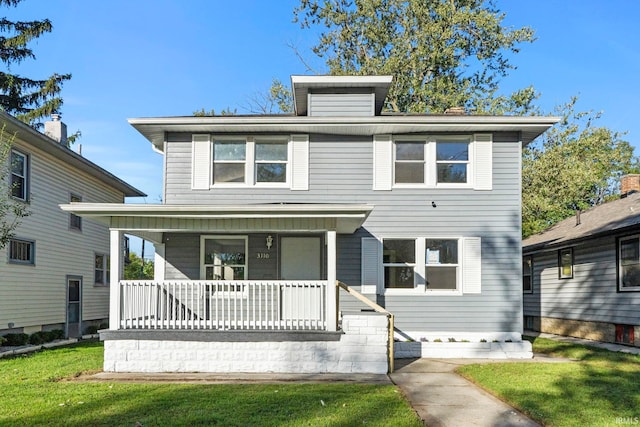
(610, 217)
(31, 136)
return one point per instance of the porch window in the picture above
(22, 251)
(565, 263)
(629, 263)
(224, 258)
(19, 175)
(527, 274)
(102, 270)
(399, 258)
(441, 264)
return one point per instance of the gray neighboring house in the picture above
(581, 277)
(262, 216)
(54, 272)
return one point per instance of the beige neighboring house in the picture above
(54, 273)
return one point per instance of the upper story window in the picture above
(75, 222)
(250, 162)
(629, 263)
(277, 161)
(433, 161)
(19, 175)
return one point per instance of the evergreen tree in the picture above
(29, 100)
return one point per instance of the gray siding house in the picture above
(54, 272)
(581, 277)
(263, 215)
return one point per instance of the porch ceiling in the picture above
(343, 218)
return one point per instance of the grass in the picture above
(599, 388)
(35, 390)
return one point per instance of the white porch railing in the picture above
(223, 305)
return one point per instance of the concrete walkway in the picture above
(444, 399)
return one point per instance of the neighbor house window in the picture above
(432, 162)
(75, 222)
(224, 258)
(102, 269)
(565, 263)
(19, 175)
(22, 251)
(262, 161)
(629, 263)
(527, 274)
(399, 258)
(441, 264)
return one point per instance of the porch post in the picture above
(117, 254)
(332, 307)
(158, 262)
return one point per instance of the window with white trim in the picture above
(250, 161)
(19, 175)
(102, 270)
(442, 264)
(22, 251)
(224, 258)
(444, 260)
(629, 263)
(433, 161)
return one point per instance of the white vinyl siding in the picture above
(341, 104)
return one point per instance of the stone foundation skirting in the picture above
(464, 350)
(362, 347)
(596, 331)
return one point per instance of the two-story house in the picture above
(262, 215)
(54, 272)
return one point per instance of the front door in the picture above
(301, 258)
(74, 306)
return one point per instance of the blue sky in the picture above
(146, 58)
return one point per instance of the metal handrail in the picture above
(378, 309)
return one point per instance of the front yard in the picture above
(600, 388)
(35, 390)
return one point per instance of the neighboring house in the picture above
(262, 214)
(54, 272)
(581, 277)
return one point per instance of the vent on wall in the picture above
(624, 334)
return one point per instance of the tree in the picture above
(576, 165)
(137, 268)
(29, 100)
(442, 53)
(11, 210)
(226, 112)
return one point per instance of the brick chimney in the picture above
(455, 111)
(629, 184)
(55, 129)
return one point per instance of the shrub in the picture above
(2, 341)
(57, 334)
(16, 339)
(452, 340)
(91, 330)
(437, 340)
(103, 325)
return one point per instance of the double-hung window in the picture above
(428, 265)
(409, 165)
(19, 175)
(452, 162)
(251, 162)
(22, 251)
(102, 270)
(565, 263)
(629, 263)
(75, 221)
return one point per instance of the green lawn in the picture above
(601, 388)
(35, 390)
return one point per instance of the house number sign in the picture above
(263, 255)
